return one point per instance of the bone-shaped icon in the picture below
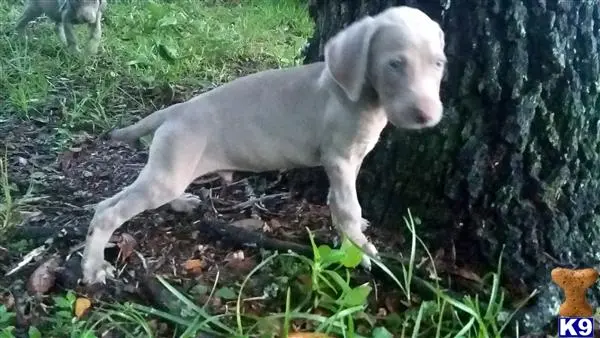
(574, 284)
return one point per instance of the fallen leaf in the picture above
(43, 278)
(392, 302)
(193, 265)
(126, 244)
(82, 305)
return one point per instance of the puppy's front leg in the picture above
(364, 223)
(65, 32)
(60, 31)
(345, 209)
(71, 39)
(95, 34)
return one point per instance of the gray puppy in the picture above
(65, 14)
(380, 69)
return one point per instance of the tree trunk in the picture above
(515, 161)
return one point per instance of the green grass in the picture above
(146, 44)
(330, 303)
(12, 208)
(149, 51)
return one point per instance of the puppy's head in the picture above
(399, 54)
(86, 10)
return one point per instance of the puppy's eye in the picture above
(440, 63)
(396, 63)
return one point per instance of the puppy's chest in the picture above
(368, 135)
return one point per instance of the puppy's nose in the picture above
(427, 111)
(424, 116)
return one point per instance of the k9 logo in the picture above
(574, 327)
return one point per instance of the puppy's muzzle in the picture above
(427, 112)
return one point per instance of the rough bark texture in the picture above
(515, 161)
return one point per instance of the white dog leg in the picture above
(59, 27)
(345, 208)
(71, 39)
(164, 179)
(95, 34)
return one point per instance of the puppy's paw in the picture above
(185, 203)
(366, 263)
(96, 272)
(92, 48)
(364, 224)
(368, 248)
(74, 49)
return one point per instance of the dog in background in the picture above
(66, 14)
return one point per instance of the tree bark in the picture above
(515, 161)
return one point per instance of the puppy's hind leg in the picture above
(31, 12)
(165, 177)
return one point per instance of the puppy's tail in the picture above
(143, 127)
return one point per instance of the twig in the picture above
(40, 250)
(253, 201)
(34, 232)
(227, 232)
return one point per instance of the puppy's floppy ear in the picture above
(347, 54)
